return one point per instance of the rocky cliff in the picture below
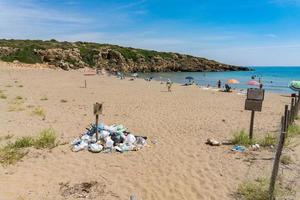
(67, 55)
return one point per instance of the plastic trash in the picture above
(125, 147)
(95, 148)
(141, 141)
(130, 139)
(76, 141)
(82, 145)
(239, 148)
(109, 143)
(86, 137)
(104, 134)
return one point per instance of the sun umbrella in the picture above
(189, 78)
(295, 85)
(232, 81)
(253, 82)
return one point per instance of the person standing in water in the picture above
(219, 84)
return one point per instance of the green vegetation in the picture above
(46, 139)
(268, 140)
(13, 152)
(259, 190)
(44, 98)
(39, 111)
(16, 104)
(293, 130)
(3, 96)
(286, 160)
(25, 55)
(88, 51)
(241, 138)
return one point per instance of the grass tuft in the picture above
(44, 98)
(13, 152)
(46, 139)
(39, 111)
(257, 190)
(3, 96)
(293, 130)
(268, 140)
(286, 160)
(241, 138)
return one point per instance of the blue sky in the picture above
(242, 32)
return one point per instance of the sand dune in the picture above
(179, 166)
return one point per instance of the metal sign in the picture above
(255, 94)
(97, 108)
(253, 105)
(254, 99)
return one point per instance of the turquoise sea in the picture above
(274, 79)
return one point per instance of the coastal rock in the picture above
(66, 55)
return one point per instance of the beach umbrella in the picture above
(253, 82)
(190, 78)
(232, 81)
(295, 85)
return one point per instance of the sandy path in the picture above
(179, 166)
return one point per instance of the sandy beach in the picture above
(176, 164)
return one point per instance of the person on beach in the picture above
(169, 85)
(260, 86)
(219, 84)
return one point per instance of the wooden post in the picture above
(97, 120)
(292, 110)
(97, 111)
(278, 154)
(84, 83)
(251, 125)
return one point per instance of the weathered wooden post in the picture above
(284, 122)
(253, 103)
(292, 110)
(97, 112)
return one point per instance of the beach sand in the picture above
(178, 166)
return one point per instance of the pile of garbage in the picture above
(110, 138)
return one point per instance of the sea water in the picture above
(274, 79)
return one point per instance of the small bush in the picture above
(8, 136)
(19, 98)
(46, 139)
(39, 111)
(241, 138)
(20, 86)
(293, 130)
(3, 96)
(15, 108)
(44, 98)
(257, 190)
(13, 152)
(10, 155)
(23, 142)
(268, 140)
(286, 160)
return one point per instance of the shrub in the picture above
(268, 140)
(46, 139)
(293, 130)
(39, 111)
(3, 96)
(257, 190)
(286, 160)
(241, 138)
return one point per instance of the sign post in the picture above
(97, 111)
(253, 103)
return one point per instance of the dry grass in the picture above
(40, 112)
